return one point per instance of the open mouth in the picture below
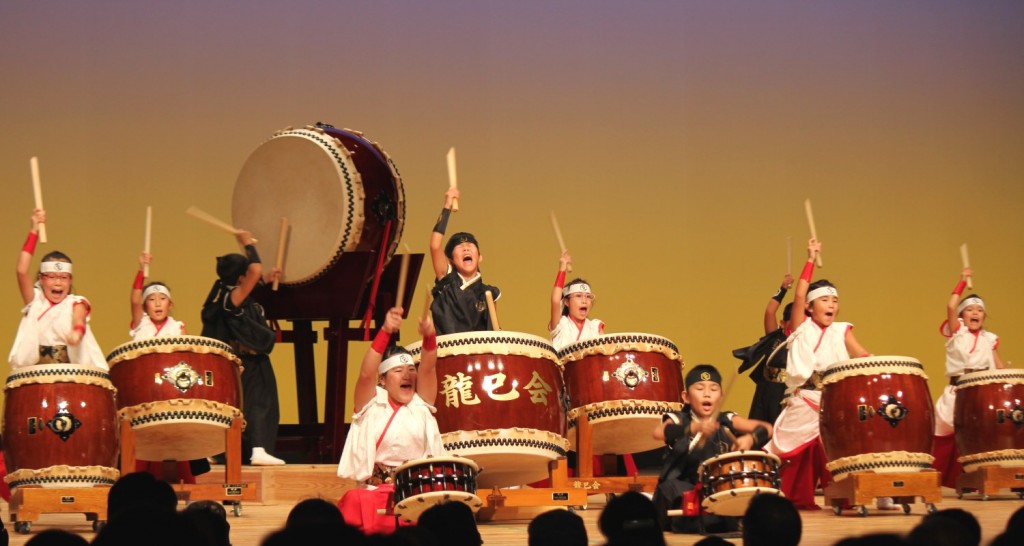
(706, 405)
(467, 259)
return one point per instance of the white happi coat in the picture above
(566, 331)
(146, 329)
(44, 323)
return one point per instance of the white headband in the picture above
(55, 267)
(575, 288)
(394, 361)
(973, 300)
(822, 291)
(155, 289)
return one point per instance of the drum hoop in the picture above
(172, 344)
(58, 475)
(179, 409)
(877, 462)
(736, 491)
(609, 344)
(427, 461)
(505, 437)
(993, 457)
(993, 376)
(616, 408)
(45, 374)
(489, 342)
(753, 453)
(872, 366)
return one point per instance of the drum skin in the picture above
(876, 405)
(60, 415)
(989, 414)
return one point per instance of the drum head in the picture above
(411, 508)
(734, 502)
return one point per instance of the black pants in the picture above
(259, 404)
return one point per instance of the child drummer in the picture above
(697, 433)
(969, 348)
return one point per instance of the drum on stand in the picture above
(60, 427)
(988, 418)
(876, 415)
(730, 481)
(422, 483)
(501, 404)
(624, 383)
(179, 393)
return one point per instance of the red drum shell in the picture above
(989, 413)
(423, 483)
(739, 469)
(854, 392)
(80, 402)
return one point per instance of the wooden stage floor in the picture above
(280, 488)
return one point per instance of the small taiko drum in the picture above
(876, 416)
(180, 394)
(60, 427)
(729, 481)
(624, 383)
(501, 403)
(988, 418)
(422, 483)
(340, 193)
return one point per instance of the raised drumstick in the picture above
(403, 273)
(814, 232)
(491, 309)
(37, 190)
(281, 239)
(213, 221)
(426, 306)
(145, 245)
(452, 178)
(967, 263)
(558, 235)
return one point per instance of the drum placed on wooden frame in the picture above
(624, 383)
(422, 483)
(988, 418)
(338, 191)
(60, 427)
(729, 481)
(876, 415)
(179, 393)
(501, 404)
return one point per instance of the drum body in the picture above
(988, 418)
(340, 193)
(500, 404)
(624, 383)
(729, 481)
(876, 415)
(60, 427)
(422, 483)
(179, 393)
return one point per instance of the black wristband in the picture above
(442, 221)
(760, 435)
(780, 294)
(250, 252)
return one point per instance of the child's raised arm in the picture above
(253, 274)
(426, 376)
(952, 317)
(771, 322)
(26, 285)
(556, 292)
(136, 297)
(366, 384)
(437, 256)
(797, 317)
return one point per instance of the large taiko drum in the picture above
(729, 481)
(422, 483)
(501, 404)
(988, 418)
(876, 416)
(179, 393)
(339, 192)
(624, 383)
(60, 427)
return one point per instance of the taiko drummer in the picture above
(699, 432)
(969, 348)
(394, 422)
(570, 309)
(54, 328)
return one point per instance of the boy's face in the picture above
(703, 397)
(466, 259)
(55, 286)
(158, 307)
(974, 317)
(579, 305)
(824, 310)
(400, 382)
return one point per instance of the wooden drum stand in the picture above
(987, 480)
(859, 489)
(28, 502)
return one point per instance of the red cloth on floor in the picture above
(156, 468)
(946, 455)
(359, 508)
(801, 471)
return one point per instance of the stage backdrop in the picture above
(676, 143)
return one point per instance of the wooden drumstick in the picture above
(491, 309)
(149, 233)
(213, 221)
(452, 178)
(558, 235)
(967, 263)
(426, 306)
(281, 239)
(403, 273)
(37, 190)
(814, 232)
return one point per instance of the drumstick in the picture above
(452, 179)
(558, 235)
(149, 232)
(492, 310)
(814, 232)
(281, 238)
(37, 189)
(426, 306)
(967, 263)
(213, 221)
(403, 272)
